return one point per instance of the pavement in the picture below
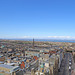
(73, 67)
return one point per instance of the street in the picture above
(66, 64)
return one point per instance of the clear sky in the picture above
(37, 18)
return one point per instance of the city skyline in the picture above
(37, 19)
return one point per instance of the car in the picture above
(69, 68)
(69, 60)
(69, 63)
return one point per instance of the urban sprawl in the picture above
(36, 58)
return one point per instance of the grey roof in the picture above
(11, 68)
(6, 66)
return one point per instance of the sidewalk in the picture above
(73, 67)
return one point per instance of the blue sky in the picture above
(37, 18)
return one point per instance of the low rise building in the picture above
(10, 70)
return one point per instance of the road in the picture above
(64, 69)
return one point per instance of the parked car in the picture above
(70, 63)
(70, 60)
(69, 68)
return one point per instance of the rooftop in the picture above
(6, 66)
